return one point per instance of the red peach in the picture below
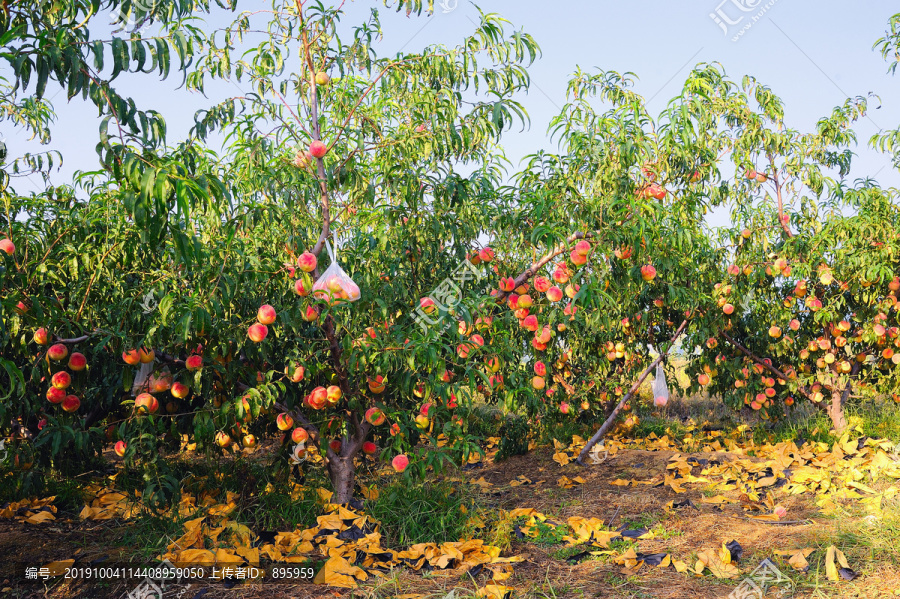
(41, 336)
(296, 373)
(299, 435)
(284, 421)
(300, 288)
(400, 463)
(318, 149)
(427, 305)
(318, 398)
(58, 352)
(544, 336)
(146, 404)
(194, 363)
(310, 314)
(61, 380)
(375, 416)
(266, 314)
(180, 390)
(257, 332)
(55, 395)
(333, 395)
(71, 403)
(307, 262)
(554, 294)
(77, 362)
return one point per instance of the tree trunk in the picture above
(342, 472)
(836, 411)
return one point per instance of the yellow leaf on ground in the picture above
(494, 591)
(481, 482)
(561, 458)
(766, 517)
(338, 572)
(567, 483)
(199, 557)
(40, 518)
(708, 558)
(797, 557)
(717, 500)
(525, 512)
(222, 509)
(831, 569)
(59, 568)
(251, 554)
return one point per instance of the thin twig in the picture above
(614, 516)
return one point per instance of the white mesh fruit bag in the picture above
(335, 285)
(660, 389)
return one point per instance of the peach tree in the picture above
(802, 308)
(794, 300)
(185, 280)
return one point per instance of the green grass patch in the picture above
(147, 535)
(278, 510)
(31, 484)
(879, 419)
(562, 430)
(812, 427)
(430, 512)
(549, 534)
(867, 538)
(514, 437)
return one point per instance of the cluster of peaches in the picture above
(521, 303)
(61, 379)
(827, 351)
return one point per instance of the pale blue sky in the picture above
(812, 54)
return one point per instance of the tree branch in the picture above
(784, 227)
(612, 417)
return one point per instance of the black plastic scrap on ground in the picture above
(735, 549)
